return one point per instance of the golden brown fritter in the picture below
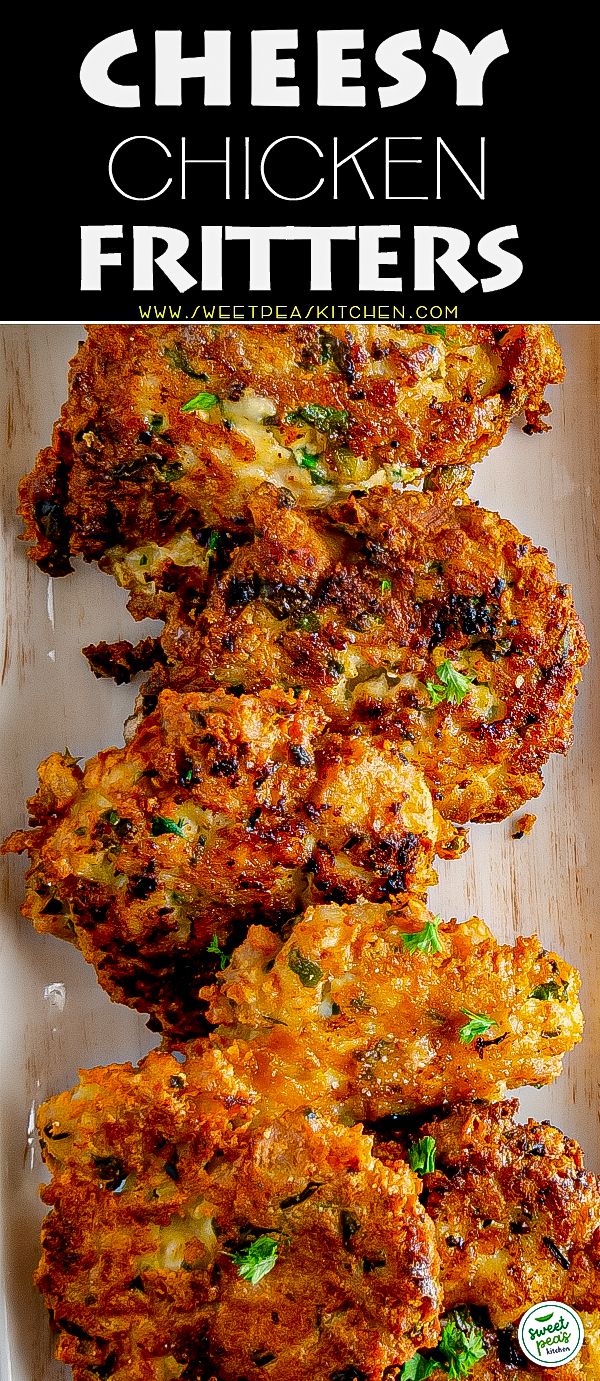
(376, 1010)
(170, 1191)
(517, 1219)
(168, 429)
(221, 810)
(433, 622)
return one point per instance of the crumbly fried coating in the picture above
(163, 1178)
(517, 1220)
(367, 605)
(168, 429)
(367, 1008)
(220, 810)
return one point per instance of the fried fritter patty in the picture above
(170, 1194)
(383, 1009)
(221, 810)
(434, 622)
(517, 1219)
(168, 429)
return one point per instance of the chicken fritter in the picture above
(189, 1237)
(168, 429)
(517, 1219)
(376, 1010)
(433, 622)
(221, 810)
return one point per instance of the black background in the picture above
(538, 118)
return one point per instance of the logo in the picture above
(551, 1334)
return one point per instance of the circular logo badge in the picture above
(551, 1333)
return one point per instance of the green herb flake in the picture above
(324, 419)
(552, 990)
(305, 969)
(426, 940)
(201, 402)
(215, 948)
(432, 330)
(169, 470)
(143, 559)
(418, 1369)
(461, 1346)
(213, 541)
(451, 685)
(386, 586)
(476, 1026)
(421, 1156)
(308, 623)
(179, 360)
(161, 824)
(157, 422)
(306, 461)
(257, 1260)
(112, 816)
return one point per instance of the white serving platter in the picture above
(54, 1018)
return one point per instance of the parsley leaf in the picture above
(324, 419)
(213, 541)
(257, 1260)
(215, 948)
(418, 1369)
(431, 330)
(462, 1346)
(161, 824)
(311, 463)
(451, 685)
(386, 586)
(201, 402)
(426, 940)
(545, 991)
(421, 1155)
(477, 1025)
(306, 970)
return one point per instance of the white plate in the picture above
(54, 1017)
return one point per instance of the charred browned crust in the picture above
(362, 604)
(219, 811)
(128, 465)
(161, 1173)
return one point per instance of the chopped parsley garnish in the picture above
(112, 816)
(311, 463)
(157, 422)
(386, 586)
(421, 1155)
(257, 1260)
(161, 824)
(451, 685)
(426, 940)
(215, 948)
(431, 330)
(419, 1368)
(305, 969)
(201, 402)
(308, 623)
(461, 1348)
(213, 540)
(476, 1026)
(545, 991)
(324, 419)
